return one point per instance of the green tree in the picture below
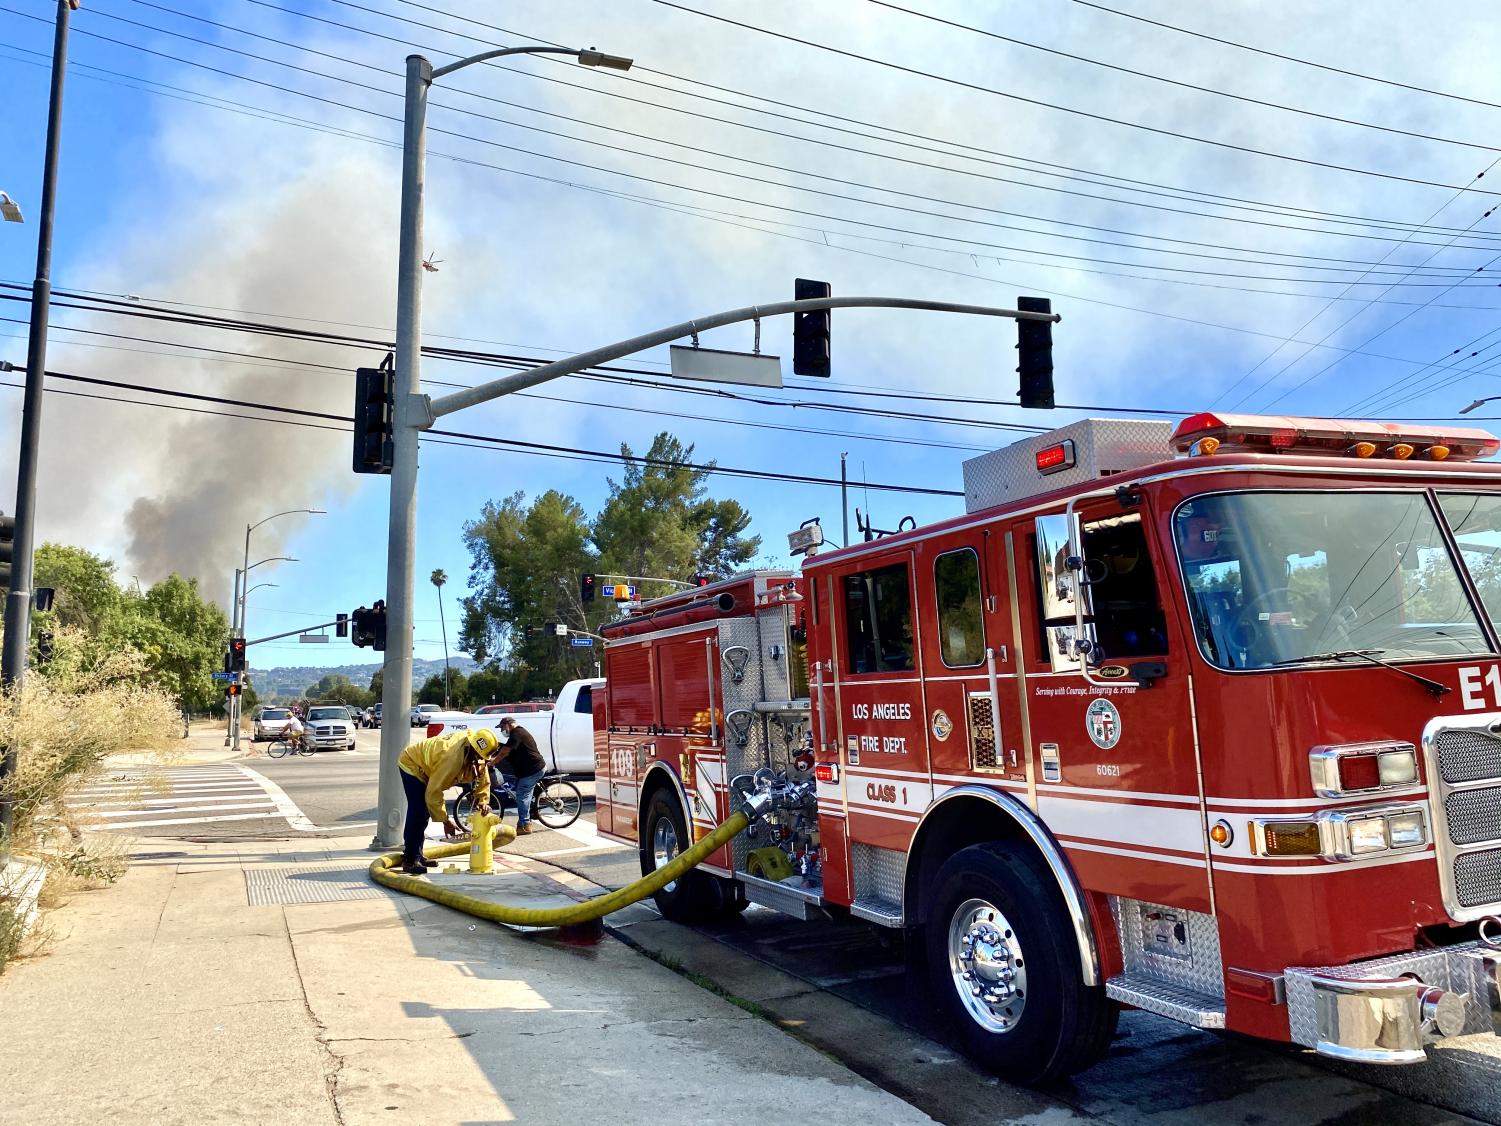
(659, 521)
(182, 635)
(378, 683)
(336, 688)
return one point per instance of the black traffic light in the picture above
(702, 580)
(43, 646)
(586, 589)
(232, 689)
(378, 626)
(7, 547)
(373, 447)
(341, 625)
(1034, 353)
(363, 621)
(236, 654)
(810, 331)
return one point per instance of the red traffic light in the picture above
(231, 690)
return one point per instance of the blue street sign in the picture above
(226, 676)
(581, 642)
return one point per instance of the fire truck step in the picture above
(874, 909)
(1171, 1001)
(798, 902)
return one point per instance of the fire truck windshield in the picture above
(1278, 578)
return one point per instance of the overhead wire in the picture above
(1342, 265)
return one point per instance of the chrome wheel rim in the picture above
(664, 847)
(987, 966)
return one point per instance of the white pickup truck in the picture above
(565, 734)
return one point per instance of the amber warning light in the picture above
(1055, 458)
(1203, 435)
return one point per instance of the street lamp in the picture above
(10, 210)
(396, 699)
(1480, 403)
(237, 609)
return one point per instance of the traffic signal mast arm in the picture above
(291, 632)
(434, 409)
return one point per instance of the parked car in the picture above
(421, 713)
(564, 734)
(267, 723)
(329, 727)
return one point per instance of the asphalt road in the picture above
(1156, 1072)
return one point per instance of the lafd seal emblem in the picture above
(943, 727)
(1103, 723)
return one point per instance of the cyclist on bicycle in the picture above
(519, 751)
(292, 732)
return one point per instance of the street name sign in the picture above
(581, 642)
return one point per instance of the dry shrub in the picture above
(65, 723)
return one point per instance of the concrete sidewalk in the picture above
(270, 983)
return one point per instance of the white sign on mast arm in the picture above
(717, 366)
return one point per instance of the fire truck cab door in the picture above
(877, 660)
(1116, 757)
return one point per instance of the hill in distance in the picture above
(290, 681)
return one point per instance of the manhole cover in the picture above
(313, 884)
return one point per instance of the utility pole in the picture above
(18, 599)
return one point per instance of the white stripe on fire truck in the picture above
(1119, 823)
(1118, 795)
(1240, 805)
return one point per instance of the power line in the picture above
(1343, 265)
(1290, 58)
(1379, 224)
(1174, 81)
(977, 87)
(512, 444)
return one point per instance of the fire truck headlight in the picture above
(1366, 835)
(1399, 768)
(1406, 830)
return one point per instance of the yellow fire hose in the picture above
(382, 871)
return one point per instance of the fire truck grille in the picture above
(1463, 754)
(1474, 815)
(1477, 878)
(982, 733)
(1467, 755)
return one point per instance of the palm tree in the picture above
(439, 577)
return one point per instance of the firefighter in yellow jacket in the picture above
(428, 769)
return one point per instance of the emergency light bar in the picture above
(1201, 435)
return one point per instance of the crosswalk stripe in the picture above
(193, 820)
(189, 809)
(205, 799)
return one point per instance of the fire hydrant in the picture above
(482, 843)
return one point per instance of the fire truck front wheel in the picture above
(1004, 965)
(695, 896)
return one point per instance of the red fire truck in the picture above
(1203, 720)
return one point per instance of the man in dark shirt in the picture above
(519, 751)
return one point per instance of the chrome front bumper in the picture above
(332, 742)
(1388, 1010)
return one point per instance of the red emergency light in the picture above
(1057, 457)
(1204, 434)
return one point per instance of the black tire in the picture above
(305, 748)
(694, 896)
(1035, 1019)
(278, 748)
(463, 809)
(557, 803)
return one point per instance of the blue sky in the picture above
(277, 209)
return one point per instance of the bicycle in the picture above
(289, 745)
(556, 802)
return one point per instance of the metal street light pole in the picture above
(237, 614)
(18, 599)
(408, 415)
(1478, 403)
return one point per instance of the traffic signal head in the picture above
(341, 625)
(362, 634)
(232, 689)
(7, 547)
(373, 399)
(810, 331)
(702, 580)
(378, 626)
(43, 646)
(1034, 351)
(236, 654)
(586, 589)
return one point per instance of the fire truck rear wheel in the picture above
(1004, 966)
(694, 896)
